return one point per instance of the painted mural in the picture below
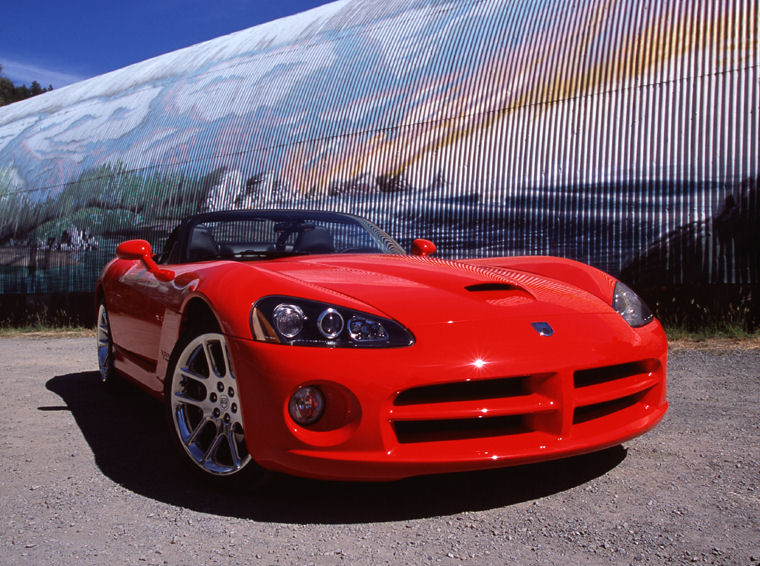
(620, 133)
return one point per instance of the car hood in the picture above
(418, 290)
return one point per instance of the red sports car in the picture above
(309, 342)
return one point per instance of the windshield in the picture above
(271, 234)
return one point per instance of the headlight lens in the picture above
(330, 323)
(630, 306)
(302, 322)
(365, 330)
(288, 319)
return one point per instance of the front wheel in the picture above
(204, 408)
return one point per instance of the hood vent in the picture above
(492, 287)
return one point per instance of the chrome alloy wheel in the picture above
(105, 345)
(205, 407)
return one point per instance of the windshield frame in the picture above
(177, 245)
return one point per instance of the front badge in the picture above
(542, 328)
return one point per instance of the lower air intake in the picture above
(457, 429)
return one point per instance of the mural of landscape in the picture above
(619, 133)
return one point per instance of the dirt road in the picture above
(87, 477)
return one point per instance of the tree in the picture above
(10, 92)
(6, 91)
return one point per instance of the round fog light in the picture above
(306, 405)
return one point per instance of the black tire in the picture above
(204, 413)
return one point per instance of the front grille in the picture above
(600, 410)
(546, 405)
(469, 409)
(457, 429)
(587, 377)
(462, 391)
(613, 391)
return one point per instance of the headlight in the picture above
(630, 306)
(302, 322)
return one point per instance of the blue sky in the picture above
(59, 43)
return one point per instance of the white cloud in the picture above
(92, 121)
(24, 73)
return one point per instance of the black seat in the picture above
(202, 245)
(315, 241)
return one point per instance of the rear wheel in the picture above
(204, 409)
(105, 346)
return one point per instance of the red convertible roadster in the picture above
(311, 343)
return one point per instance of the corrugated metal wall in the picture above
(620, 133)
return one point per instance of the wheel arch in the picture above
(100, 292)
(99, 295)
(194, 316)
(197, 315)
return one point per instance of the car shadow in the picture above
(127, 433)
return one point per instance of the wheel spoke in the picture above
(196, 431)
(213, 447)
(202, 404)
(210, 360)
(189, 374)
(233, 447)
(226, 358)
(195, 358)
(103, 357)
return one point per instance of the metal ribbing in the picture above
(623, 134)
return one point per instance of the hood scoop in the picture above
(480, 287)
(501, 294)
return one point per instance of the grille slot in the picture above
(467, 410)
(463, 391)
(457, 429)
(600, 410)
(596, 376)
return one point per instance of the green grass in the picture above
(731, 332)
(35, 330)
(42, 323)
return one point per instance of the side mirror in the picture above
(134, 249)
(423, 247)
(140, 249)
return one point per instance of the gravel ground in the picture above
(87, 478)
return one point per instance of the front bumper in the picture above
(457, 400)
